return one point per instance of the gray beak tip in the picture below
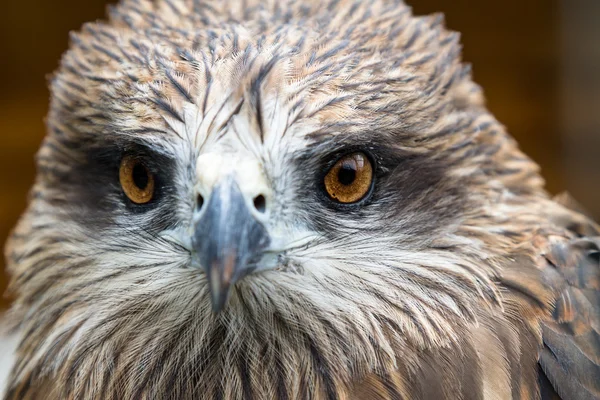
(219, 300)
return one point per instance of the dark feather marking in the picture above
(208, 79)
(98, 79)
(413, 38)
(228, 119)
(107, 52)
(287, 126)
(245, 377)
(185, 55)
(76, 86)
(300, 44)
(311, 59)
(146, 130)
(141, 48)
(172, 7)
(40, 266)
(23, 389)
(256, 91)
(34, 251)
(76, 41)
(235, 43)
(423, 60)
(322, 368)
(106, 34)
(332, 52)
(247, 61)
(331, 102)
(180, 89)
(295, 108)
(402, 310)
(104, 278)
(280, 373)
(212, 45)
(388, 81)
(42, 289)
(165, 106)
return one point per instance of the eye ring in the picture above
(136, 180)
(350, 179)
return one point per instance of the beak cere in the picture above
(228, 240)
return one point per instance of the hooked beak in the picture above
(227, 241)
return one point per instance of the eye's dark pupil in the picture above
(140, 176)
(346, 175)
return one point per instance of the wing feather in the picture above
(570, 358)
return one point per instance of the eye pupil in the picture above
(140, 176)
(347, 174)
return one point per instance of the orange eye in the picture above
(350, 179)
(136, 180)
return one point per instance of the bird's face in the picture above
(250, 194)
(311, 187)
(247, 199)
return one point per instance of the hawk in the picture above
(252, 199)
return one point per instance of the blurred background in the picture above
(538, 61)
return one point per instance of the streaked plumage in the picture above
(457, 278)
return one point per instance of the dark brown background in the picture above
(534, 58)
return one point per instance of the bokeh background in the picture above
(538, 61)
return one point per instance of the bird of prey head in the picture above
(251, 199)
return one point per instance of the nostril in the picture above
(260, 203)
(199, 202)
